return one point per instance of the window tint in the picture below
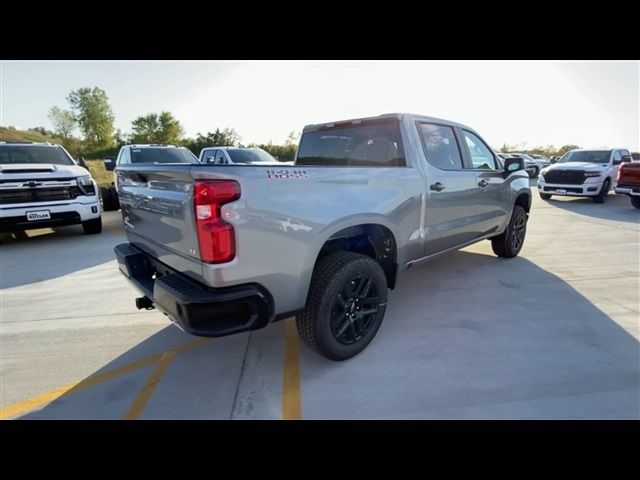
(125, 157)
(371, 144)
(162, 155)
(250, 155)
(220, 158)
(15, 154)
(441, 147)
(481, 156)
(209, 154)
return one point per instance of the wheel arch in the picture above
(372, 239)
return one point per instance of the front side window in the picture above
(368, 144)
(125, 157)
(20, 154)
(220, 158)
(616, 156)
(480, 154)
(441, 147)
(209, 156)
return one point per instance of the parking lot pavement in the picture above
(550, 334)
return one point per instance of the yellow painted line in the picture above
(38, 231)
(43, 398)
(141, 400)
(113, 229)
(291, 401)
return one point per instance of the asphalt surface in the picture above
(552, 333)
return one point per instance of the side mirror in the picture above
(81, 162)
(513, 165)
(627, 158)
(109, 164)
(617, 162)
(209, 160)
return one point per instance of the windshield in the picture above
(590, 156)
(250, 155)
(15, 154)
(374, 144)
(162, 155)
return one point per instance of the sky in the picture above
(590, 104)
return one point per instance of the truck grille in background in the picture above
(27, 195)
(565, 177)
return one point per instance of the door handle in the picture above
(483, 183)
(436, 186)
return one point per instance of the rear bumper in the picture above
(194, 307)
(632, 191)
(70, 213)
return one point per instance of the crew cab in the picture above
(237, 156)
(227, 250)
(583, 173)
(144, 153)
(41, 185)
(629, 181)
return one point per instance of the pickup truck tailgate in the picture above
(158, 213)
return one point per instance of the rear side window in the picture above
(440, 146)
(371, 144)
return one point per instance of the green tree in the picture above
(93, 113)
(293, 138)
(226, 137)
(156, 128)
(42, 131)
(63, 121)
(284, 153)
(566, 148)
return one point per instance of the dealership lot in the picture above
(552, 333)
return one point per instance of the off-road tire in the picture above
(509, 243)
(93, 226)
(604, 193)
(317, 323)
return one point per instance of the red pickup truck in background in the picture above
(629, 181)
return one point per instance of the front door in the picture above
(493, 194)
(450, 190)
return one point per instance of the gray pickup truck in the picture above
(226, 250)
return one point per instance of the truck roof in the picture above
(398, 116)
(36, 144)
(150, 145)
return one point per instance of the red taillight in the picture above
(215, 236)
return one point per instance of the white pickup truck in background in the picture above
(238, 156)
(41, 185)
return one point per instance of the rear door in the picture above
(492, 193)
(450, 213)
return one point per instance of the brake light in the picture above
(215, 236)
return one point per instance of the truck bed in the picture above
(281, 220)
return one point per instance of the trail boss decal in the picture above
(286, 174)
